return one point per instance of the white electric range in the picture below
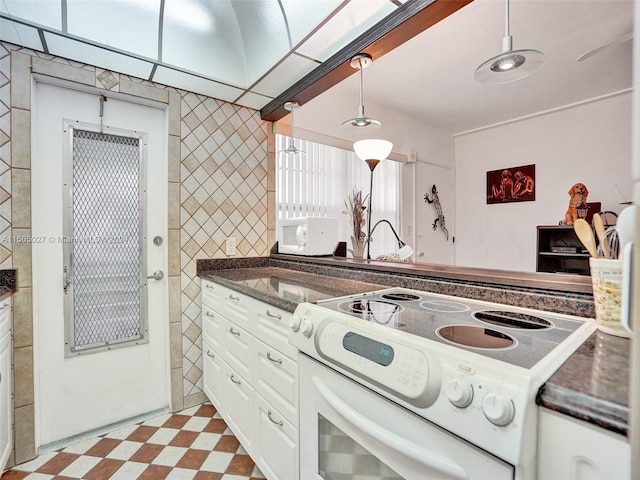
(428, 385)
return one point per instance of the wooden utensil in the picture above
(598, 225)
(585, 234)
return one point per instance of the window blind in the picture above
(317, 184)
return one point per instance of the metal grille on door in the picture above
(103, 247)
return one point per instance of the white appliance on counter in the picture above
(308, 236)
(400, 384)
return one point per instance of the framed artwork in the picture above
(515, 184)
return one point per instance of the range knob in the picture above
(498, 409)
(294, 323)
(459, 392)
(306, 327)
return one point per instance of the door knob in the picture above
(157, 275)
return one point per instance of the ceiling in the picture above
(250, 52)
(430, 77)
(243, 51)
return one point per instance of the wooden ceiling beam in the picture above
(406, 22)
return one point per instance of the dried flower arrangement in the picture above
(355, 205)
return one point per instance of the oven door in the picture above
(347, 431)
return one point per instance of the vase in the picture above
(358, 248)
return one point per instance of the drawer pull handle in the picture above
(233, 379)
(209, 286)
(234, 298)
(233, 332)
(209, 354)
(277, 315)
(209, 314)
(274, 360)
(4, 305)
(277, 422)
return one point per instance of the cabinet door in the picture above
(213, 376)
(239, 401)
(277, 443)
(276, 379)
(570, 449)
(213, 328)
(272, 327)
(238, 346)
(5, 400)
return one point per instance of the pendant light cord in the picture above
(507, 18)
(361, 108)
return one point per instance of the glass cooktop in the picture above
(515, 335)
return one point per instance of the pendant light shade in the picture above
(291, 150)
(511, 64)
(361, 123)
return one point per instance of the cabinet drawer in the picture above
(272, 327)
(5, 317)
(213, 375)
(276, 379)
(277, 443)
(236, 307)
(210, 294)
(239, 401)
(238, 348)
(213, 327)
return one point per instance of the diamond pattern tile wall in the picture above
(223, 194)
(5, 158)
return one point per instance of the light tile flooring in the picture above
(194, 444)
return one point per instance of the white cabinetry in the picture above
(251, 376)
(5, 383)
(570, 449)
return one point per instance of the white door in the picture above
(434, 232)
(86, 376)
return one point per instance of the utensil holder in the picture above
(606, 277)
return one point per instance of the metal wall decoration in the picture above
(435, 201)
(515, 184)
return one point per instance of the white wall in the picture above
(590, 143)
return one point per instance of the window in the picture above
(317, 185)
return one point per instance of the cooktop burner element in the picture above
(401, 297)
(476, 337)
(444, 306)
(513, 320)
(376, 310)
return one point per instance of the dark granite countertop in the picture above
(592, 385)
(285, 288)
(8, 282)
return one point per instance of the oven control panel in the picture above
(398, 367)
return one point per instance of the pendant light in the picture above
(361, 123)
(291, 150)
(511, 64)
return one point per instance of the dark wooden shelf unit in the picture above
(559, 236)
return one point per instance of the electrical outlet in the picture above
(230, 246)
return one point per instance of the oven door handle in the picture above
(417, 453)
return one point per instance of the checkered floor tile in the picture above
(194, 444)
